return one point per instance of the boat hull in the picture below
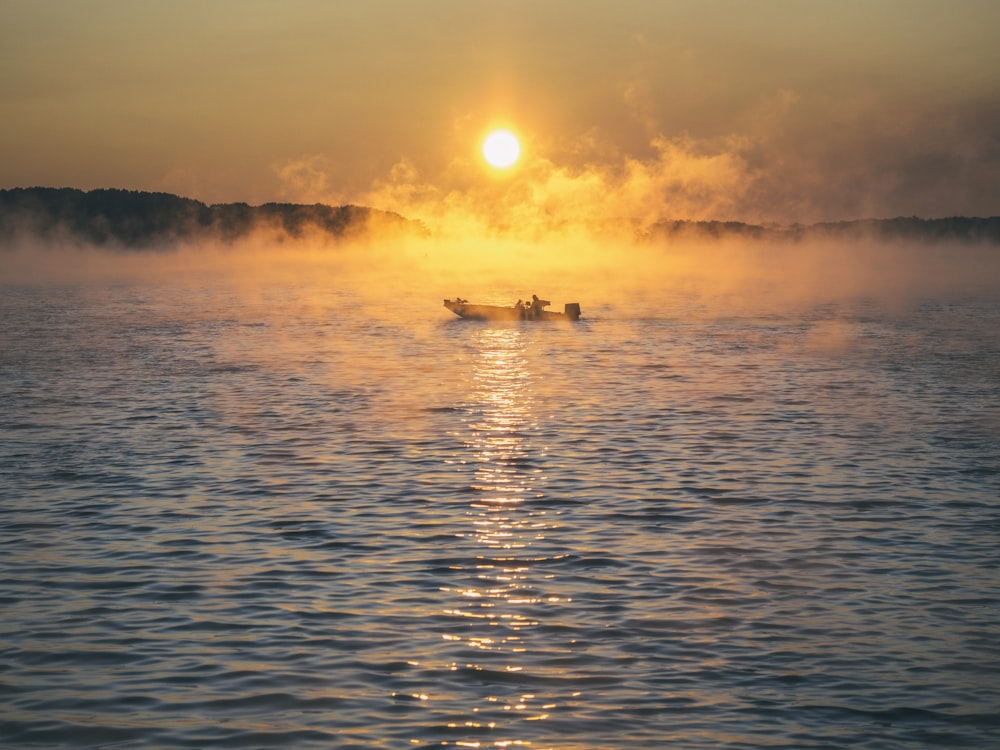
(469, 311)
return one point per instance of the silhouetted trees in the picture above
(955, 228)
(134, 219)
(959, 228)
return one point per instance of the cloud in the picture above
(305, 179)
(864, 154)
(789, 156)
(683, 178)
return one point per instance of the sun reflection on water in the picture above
(497, 606)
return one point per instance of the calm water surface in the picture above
(235, 520)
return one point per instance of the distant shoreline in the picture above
(141, 220)
(137, 219)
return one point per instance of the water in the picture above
(237, 519)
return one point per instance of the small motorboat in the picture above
(533, 310)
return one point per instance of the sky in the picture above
(766, 111)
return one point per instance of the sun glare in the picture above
(501, 149)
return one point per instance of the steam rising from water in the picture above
(607, 272)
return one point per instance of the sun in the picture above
(501, 149)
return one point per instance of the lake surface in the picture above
(280, 518)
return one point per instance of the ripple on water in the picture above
(223, 530)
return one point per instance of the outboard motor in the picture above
(572, 310)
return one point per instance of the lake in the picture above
(283, 513)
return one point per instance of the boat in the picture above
(534, 310)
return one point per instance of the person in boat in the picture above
(535, 310)
(535, 307)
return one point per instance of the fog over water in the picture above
(275, 495)
(602, 265)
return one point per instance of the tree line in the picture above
(954, 228)
(136, 219)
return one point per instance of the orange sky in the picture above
(761, 111)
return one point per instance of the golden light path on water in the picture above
(255, 518)
(497, 607)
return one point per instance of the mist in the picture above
(609, 270)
